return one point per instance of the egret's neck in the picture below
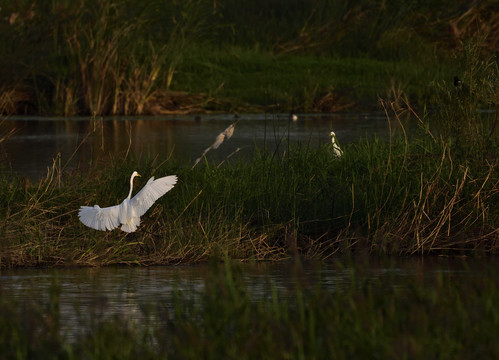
(131, 185)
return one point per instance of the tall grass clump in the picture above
(95, 57)
(419, 198)
(466, 111)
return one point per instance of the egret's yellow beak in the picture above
(138, 174)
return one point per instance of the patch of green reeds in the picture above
(91, 56)
(97, 57)
(447, 316)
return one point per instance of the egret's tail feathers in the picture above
(131, 225)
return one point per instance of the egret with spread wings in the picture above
(128, 213)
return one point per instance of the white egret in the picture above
(128, 213)
(336, 147)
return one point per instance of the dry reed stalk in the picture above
(397, 98)
(443, 230)
(11, 98)
(263, 250)
(7, 135)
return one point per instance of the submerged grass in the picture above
(446, 316)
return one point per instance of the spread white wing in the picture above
(100, 218)
(151, 192)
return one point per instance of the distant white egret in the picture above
(128, 213)
(336, 147)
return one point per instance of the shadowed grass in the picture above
(98, 57)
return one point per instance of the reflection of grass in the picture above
(448, 315)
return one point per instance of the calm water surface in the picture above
(125, 291)
(36, 142)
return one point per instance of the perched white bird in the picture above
(128, 213)
(336, 147)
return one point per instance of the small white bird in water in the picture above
(336, 147)
(128, 213)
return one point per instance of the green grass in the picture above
(289, 81)
(433, 190)
(90, 57)
(446, 316)
(406, 196)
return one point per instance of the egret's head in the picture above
(135, 173)
(332, 134)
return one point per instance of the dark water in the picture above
(37, 141)
(124, 291)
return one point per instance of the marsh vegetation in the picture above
(419, 194)
(94, 57)
(432, 191)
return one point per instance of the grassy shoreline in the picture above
(242, 81)
(238, 80)
(413, 195)
(433, 191)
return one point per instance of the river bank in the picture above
(406, 195)
(431, 190)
